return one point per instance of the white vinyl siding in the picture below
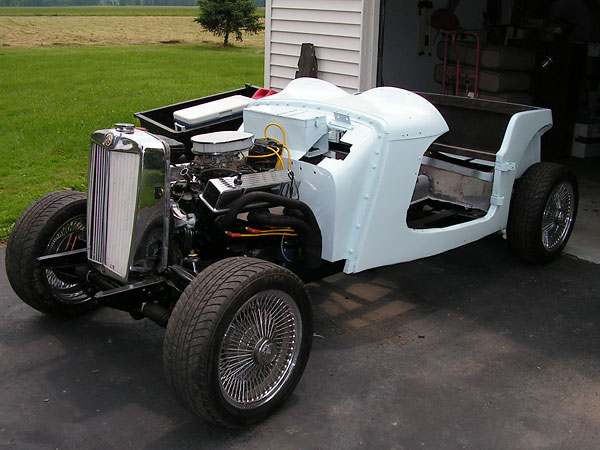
(333, 26)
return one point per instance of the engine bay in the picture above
(226, 167)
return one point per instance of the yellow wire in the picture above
(275, 152)
(283, 144)
(265, 234)
(273, 124)
(260, 156)
(277, 230)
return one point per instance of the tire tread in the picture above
(526, 208)
(194, 319)
(22, 270)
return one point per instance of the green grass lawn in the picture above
(99, 11)
(53, 99)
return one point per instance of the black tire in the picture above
(207, 322)
(542, 214)
(47, 226)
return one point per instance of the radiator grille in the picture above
(97, 203)
(113, 187)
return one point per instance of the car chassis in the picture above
(211, 237)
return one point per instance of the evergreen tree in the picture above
(226, 17)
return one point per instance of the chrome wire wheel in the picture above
(260, 349)
(558, 216)
(238, 341)
(69, 236)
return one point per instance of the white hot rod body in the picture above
(361, 202)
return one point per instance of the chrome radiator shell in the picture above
(128, 195)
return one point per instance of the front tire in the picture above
(542, 212)
(52, 224)
(238, 340)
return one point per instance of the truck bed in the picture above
(477, 127)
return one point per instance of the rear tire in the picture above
(52, 224)
(238, 340)
(543, 209)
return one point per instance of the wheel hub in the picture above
(558, 216)
(69, 236)
(265, 352)
(260, 349)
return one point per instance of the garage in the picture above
(529, 53)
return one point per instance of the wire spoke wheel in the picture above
(69, 236)
(238, 341)
(558, 215)
(543, 209)
(259, 349)
(54, 223)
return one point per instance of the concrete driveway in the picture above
(470, 349)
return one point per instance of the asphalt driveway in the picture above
(469, 349)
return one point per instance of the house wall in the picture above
(333, 26)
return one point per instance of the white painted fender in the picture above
(361, 202)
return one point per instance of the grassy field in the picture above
(53, 98)
(99, 11)
(104, 11)
(60, 31)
